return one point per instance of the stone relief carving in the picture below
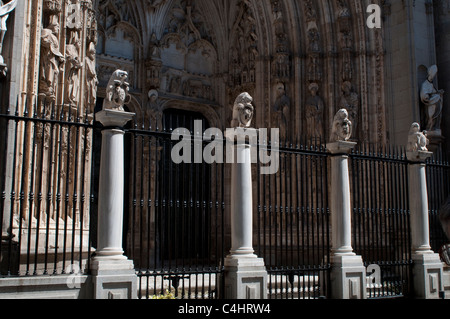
(281, 111)
(184, 24)
(53, 6)
(346, 42)
(73, 67)
(91, 77)
(350, 101)
(417, 140)
(243, 111)
(342, 127)
(314, 112)
(282, 58)
(52, 60)
(310, 11)
(432, 99)
(154, 111)
(117, 92)
(243, 50)
(314, 72)
(155, 3)
(184, 60)
(154, 64)
(197, 89)
(5, 10)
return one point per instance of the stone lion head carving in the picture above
(117, 91)
(243, 111)
(417, 140)
(342, 127)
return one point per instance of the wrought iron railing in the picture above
(47, 191)
(381, 221)
(175, 227)
(438, 185)
(176, 224)
(292, 224)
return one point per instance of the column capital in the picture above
(341, 147)
(418, 156)
(113, 118)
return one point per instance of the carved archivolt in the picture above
(197, 50)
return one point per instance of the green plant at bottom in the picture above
(166, 295)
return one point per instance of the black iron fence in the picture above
(292, 223)
(176, 228)
(47, 194)
(438, 184)
(175, 215)
(381, 219)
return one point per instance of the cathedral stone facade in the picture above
(300, 60)
(386, 62)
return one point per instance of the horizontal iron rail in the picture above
(202, 270)
(48, 121)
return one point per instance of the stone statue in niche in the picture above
(432, 98)
(243, 111)
(350, 102)
(91, 77)
(175, 83)
(314, 70)
(5, 10)
(281, 111)
(342, 127)
(73, 67)
(52, 60)
(117, 92)
(314, 112)
(314, 39)
(154, 110)
(417, 140)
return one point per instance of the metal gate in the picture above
(174, 223)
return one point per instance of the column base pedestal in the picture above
(245, 277)
(114, 279)
(348, 277)
(428, 276)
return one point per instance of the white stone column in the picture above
(428, 268)
(245, 273)
(114, 275)
(241, 203)
(348, 274)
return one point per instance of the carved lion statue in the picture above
(417, 140)
(342, 127)
(243, 111)
(117, 91)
